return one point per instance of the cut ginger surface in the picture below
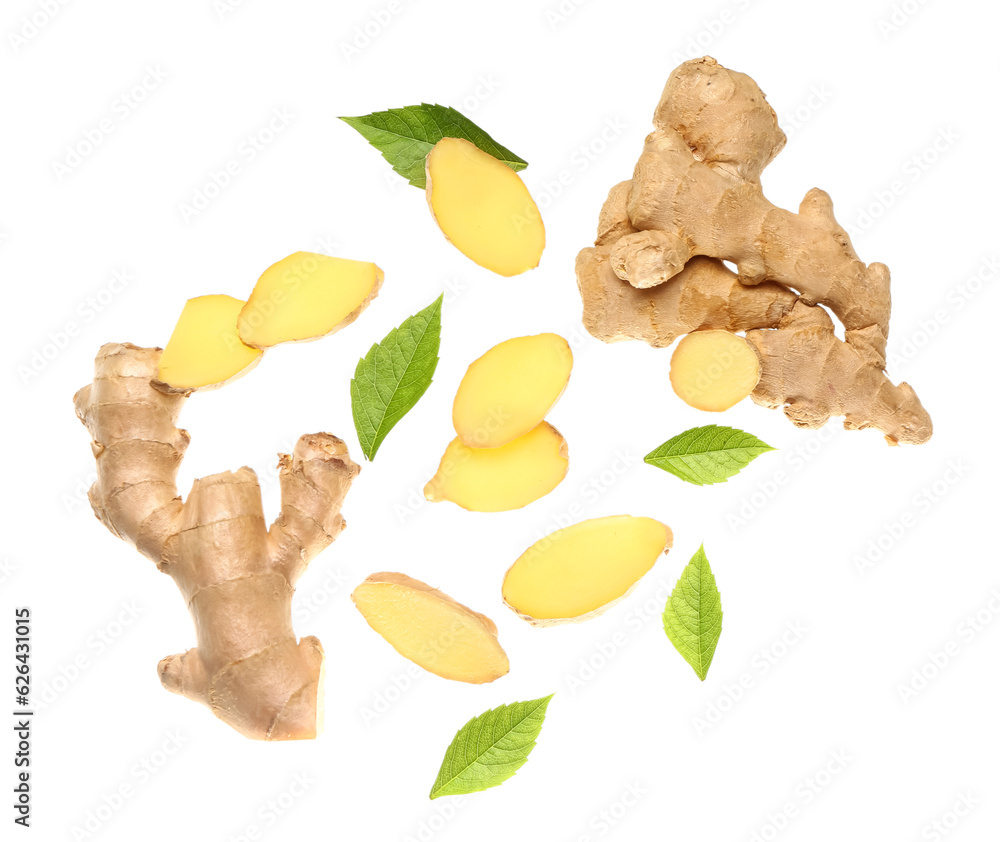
(483, 208)
(204, 351)
(498, 479)
(713, 370)
(307, 296)
(510, 389)
(431, 629)
(578, 572)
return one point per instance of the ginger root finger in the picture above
(580, 571)
(500, 479)
(483, 208)
(713, 370)
(431, 629)
(235, 575)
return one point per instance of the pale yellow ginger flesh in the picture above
(713, 370)
(510, 389)
(307, 296)
(498, 479)
(578, 572)
(205, 351)
(431, 629)
(236, 575)
(483, 208)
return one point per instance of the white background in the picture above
(869, 96)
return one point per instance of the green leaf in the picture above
(706, 455)
(404, 136)
(394, 375)
(490, 748)
(692, 617)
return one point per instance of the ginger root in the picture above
(431, 629)
(578, 572)
(713, 370)
(483, 208)
(499, 479)
(695, 200)
(236, 575)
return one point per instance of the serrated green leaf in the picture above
(394, 375)
(404, 136)
(490, 748)
(706, 455)
(692, 617)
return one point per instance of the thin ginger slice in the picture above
(578, 572)
(713, 370)
(510, 389)
(307, 296)
(431, 629)
(204, 350)
(499, 479)
(483, 208)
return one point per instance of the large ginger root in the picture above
(655, 272)
(236, 575)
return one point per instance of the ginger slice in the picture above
(431, 629)
(483, 208)
(498, 479)
(713, 369)
(307, 296)
(204, 350)
(578, 572)
(510, 389)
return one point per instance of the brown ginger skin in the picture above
(696, 191)
(236, 575)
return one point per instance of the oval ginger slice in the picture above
(307, 296)
(499, 479)
(483, 208)
(204, 350)
(431, 629)
(510, 389)
(578, 572)
(713, 370)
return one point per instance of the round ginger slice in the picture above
(579, 572)
(713, 370)
(483, 208)
(510, 389)
(431, 629)
(204, 351)
(499, 479)
(307, 296)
